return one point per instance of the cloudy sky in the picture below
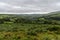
(29, 6)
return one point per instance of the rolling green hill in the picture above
(30, 27)
(53, 16)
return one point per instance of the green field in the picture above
(15, 27)
(29, 32)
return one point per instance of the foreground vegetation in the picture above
(15, 27)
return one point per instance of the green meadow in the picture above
(23, 27)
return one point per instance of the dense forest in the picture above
(30, 26)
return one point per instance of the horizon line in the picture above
(24, 13)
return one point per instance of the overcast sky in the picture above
(29, 6)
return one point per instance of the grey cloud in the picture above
(24, 6)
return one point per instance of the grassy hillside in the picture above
(30, 27)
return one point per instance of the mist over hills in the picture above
(49, 18)
(51, 14)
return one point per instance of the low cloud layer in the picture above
(29, 6)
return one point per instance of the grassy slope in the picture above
(14, 31)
